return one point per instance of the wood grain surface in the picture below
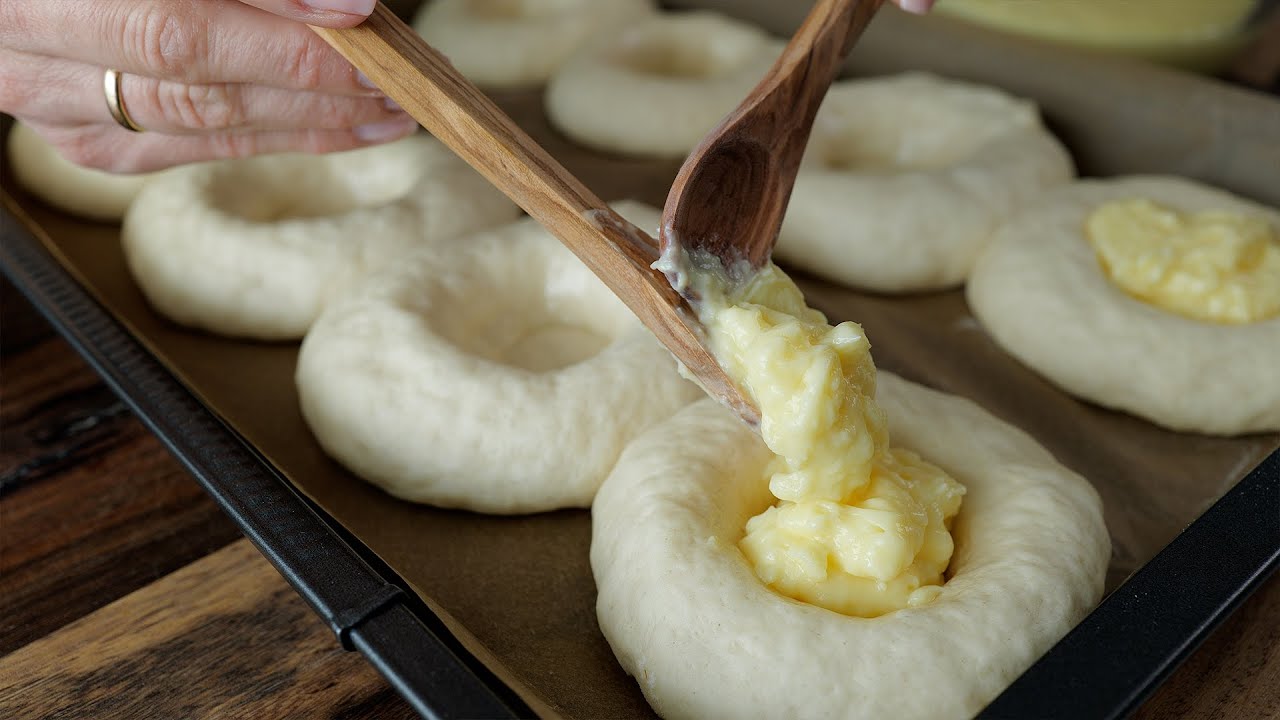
(222, 637)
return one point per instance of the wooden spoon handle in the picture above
(454, 110)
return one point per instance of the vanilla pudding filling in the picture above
(858, 527)
(1215, 266)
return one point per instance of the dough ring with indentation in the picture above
(906, 178)
(506, 44)
(255, 248)
(495, 374)
(658, 87)
(1041, 293)
(82, 191)
(688, 618)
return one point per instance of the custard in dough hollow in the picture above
(255, 248)
(496, 374)
(508, 44)
(1040, 290)
(658, 86)
(906, 178)
(687, 617)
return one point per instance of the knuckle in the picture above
(14, 94)
(86, 149)
(309, 62)
(233, 145)
(201, 107)
(172, 44)
(13, 21)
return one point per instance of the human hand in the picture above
(918, 7)
(205, 79)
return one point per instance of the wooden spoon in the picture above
(732, 191)
(423, 82)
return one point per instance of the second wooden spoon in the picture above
(732, 191)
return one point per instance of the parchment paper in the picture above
(518, 591)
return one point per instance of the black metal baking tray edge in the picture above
(366, 604)
(1103, 669)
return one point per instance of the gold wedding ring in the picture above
(111, 84)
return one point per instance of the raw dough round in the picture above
(496, 374)
(906, 178)
(687, 616)
(659, 86)
(82, 191)
(255, 248)
(505, 44)
(1042, 295)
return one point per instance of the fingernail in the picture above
(385, 131)
(392, 105)
(919, 7)
(350, 7)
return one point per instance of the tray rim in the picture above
(374, 612)
(371, 610)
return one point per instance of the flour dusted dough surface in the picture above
(78, 190)
(704, 638)
(1041, 293)
(255, 248)
(519, 43)
(658, 86)
(446, 379)
(906, 178)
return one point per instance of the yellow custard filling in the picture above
(859, 527)
(1214, 266)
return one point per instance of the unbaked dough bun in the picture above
(906, 178)
(255, 248)
(505, 44)
(92, 194)
(1041, 293)
(496, 374)
(688, 618)
(657, 87)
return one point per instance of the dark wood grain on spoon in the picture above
(732, 192)
(428, 87)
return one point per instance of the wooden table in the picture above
(125, 593)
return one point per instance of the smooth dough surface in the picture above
(1042, 295)
(906, 178)
(657, 87)
(508, 44)
(82, 191)
(688, 618)
(255, 248)
(495, 374)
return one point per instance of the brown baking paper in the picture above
(518, 591)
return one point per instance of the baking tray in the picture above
(1185, 125)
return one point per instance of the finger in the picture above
(329, 13)
(114, 149)
(918, 7)
(197, 42)
(62, 92)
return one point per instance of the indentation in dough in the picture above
(325, 192)
(684, 55)
(521, 9)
